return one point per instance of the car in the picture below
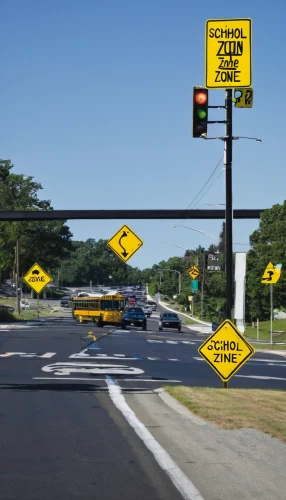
(65, 301)
(152, 304)
(170, 320)
(134, 316)
(148, 311)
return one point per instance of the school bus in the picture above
(100, 309)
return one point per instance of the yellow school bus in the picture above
(100, 309)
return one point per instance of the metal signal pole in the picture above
(228, 200)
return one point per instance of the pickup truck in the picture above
(134, 316)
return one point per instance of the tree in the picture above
(268, 244)
(44, 242)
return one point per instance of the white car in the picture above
(147, 310)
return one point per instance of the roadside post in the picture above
(37, 279)
(271, 275)
(226, 351)
(228, 66)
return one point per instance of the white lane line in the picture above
(122, 379)
(173, 359)
(260, 377)
(171, 342)
(183, 484)
(99, 357)
(269, 360)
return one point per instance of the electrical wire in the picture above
(205, 184)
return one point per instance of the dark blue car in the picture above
(134, 316)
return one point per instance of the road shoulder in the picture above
(233, 464)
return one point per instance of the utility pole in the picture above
(58, 277)
(228, 200)
(18, 292)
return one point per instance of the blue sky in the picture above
(96, 104)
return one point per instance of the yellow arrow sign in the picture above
(193, 272)
(37, 278)
(125, 243)
(226, 350)
(271, 274)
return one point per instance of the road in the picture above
(63, 436)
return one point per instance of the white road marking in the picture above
(260, 377)
(28, 355)
(100, 356)
(92, 368)
(173, 360)
(171, 342)
(122, 379)
(183, 484)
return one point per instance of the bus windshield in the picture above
(111, 305)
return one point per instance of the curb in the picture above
(179, 408)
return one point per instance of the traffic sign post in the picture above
(37, 279)
(125, 243)
(271, 275)
(226, 351)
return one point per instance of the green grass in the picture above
(260, 409)
(271, 347)
(264, 331)
(26, 314)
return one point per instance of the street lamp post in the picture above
(174, 271)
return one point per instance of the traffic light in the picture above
(200, 111)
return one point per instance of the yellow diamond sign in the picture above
(37, 278)
(125, 243)
(193, 272)
(271, 274)
(226, 350)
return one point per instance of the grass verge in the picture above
(260, 409)
(279, 325)
(269, 347)
(7, 316)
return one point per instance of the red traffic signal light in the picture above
(200, 111)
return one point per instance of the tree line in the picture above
(50, 244)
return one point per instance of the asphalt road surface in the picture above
(62, 435)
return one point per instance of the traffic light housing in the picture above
(200, 111)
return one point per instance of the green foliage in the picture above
(44, 242)
(268, 244)
(6, 316)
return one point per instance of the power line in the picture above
(205, 184)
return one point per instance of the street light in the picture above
(173, 271)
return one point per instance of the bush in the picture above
(5, 315)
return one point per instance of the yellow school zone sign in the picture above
(228, 53)
(37, 278)
(125, 243)
(226, 350)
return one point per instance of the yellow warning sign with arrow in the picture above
(271, 274)
(125, 243)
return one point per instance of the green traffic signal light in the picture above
(201, 114)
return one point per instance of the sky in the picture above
(96, 104)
